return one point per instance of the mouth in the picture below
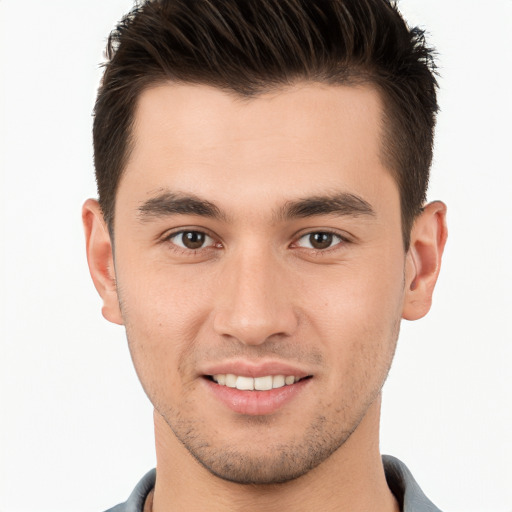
(263, 383)
(256, 396)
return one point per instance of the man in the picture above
(261, 230)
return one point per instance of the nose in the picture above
(254, 300)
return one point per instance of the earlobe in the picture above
(423, 260)
(101, 259)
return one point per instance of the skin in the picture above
(258, 291)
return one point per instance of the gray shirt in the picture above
(400, 480)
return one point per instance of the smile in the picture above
(264, 383)
(265, 394)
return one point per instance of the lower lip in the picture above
(256, 403)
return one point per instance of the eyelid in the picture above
(344, 239)
(168, 237)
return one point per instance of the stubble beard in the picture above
(275, 463)
(278, 462)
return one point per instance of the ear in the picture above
(423, 260)
(100, 258)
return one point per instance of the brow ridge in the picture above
(342, 204)
(174, 203)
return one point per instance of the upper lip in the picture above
(253, 368)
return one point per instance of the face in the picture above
(258, 245)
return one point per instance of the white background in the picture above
(75, 427)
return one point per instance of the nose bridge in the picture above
(254, 302)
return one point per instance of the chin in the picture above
(264, 460)
(257, 470)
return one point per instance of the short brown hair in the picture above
(253, 46)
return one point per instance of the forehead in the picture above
(305, 139)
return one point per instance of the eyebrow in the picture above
(170, 203)
(174, 203)
(341, 204)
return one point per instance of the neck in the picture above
(352, 479)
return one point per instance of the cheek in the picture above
(356, 311)
(367, 287)
(163, 312)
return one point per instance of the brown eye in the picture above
(319, 240)
(191, 239)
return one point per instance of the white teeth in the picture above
(231, 380)
(263, 383)
(258, 383)
(245, 383)
(289, 380)
(278, 381)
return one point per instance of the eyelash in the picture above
(343, 240)
(185, 250)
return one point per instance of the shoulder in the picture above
(406, 490)
(135, 502)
